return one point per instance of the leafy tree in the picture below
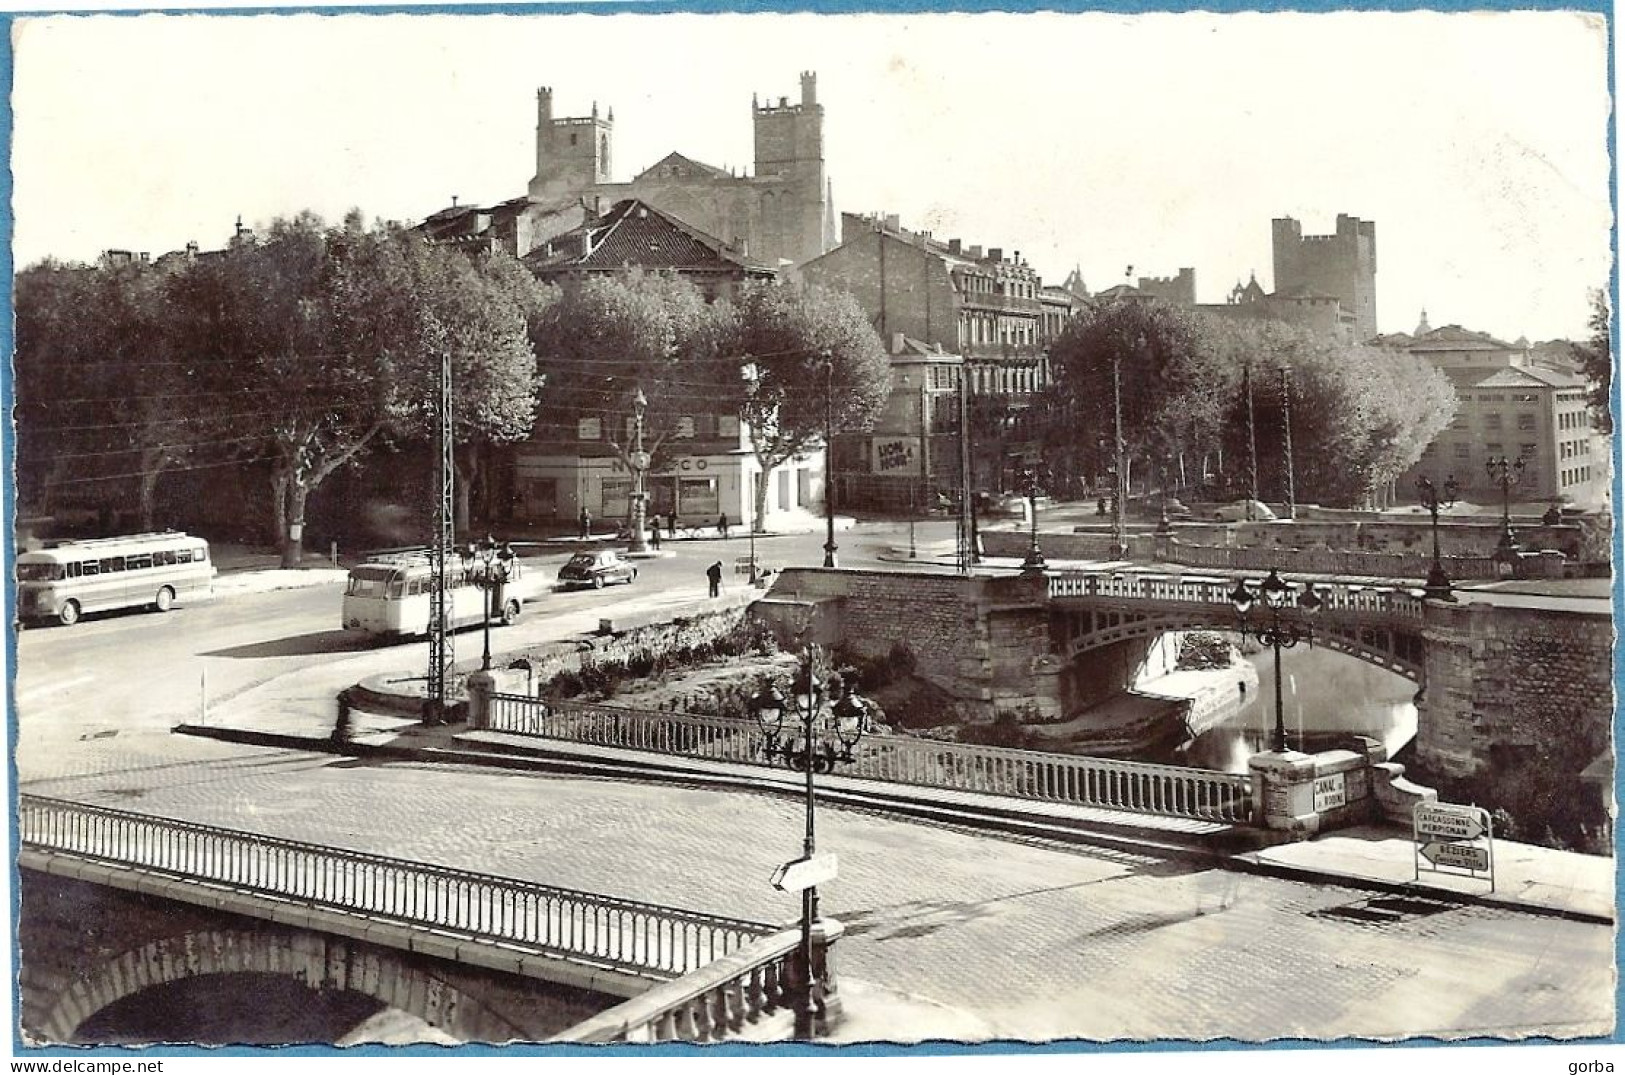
(606, 339)
(810, 355)
(1597, 363)
(1168, 380)
(97, 388)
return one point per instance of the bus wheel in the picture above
(510, 613)
(69, 614)
(165, 600)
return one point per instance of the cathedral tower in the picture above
(790, 173)
(572, 154)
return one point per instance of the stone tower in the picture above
(795, 212)
(1342, 265)
(572, 154)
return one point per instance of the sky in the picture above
(1477, 142)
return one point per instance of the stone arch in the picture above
(1397, 656)
(317, 961)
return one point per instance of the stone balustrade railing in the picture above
(643, 939)
(1206, 590)
(714, 1003)
(1074, 779)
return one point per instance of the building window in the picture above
(1526, 450)
(1526, 421)
(1492, 397)
(1526, 397)
(587, 429)
(1495, 448)
(1464, 451)
(727, 425)
(1492, 421)
(685, 427)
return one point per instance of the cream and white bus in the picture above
(389, 595)
(70, 578)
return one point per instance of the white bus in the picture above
(389, 595)
(70, 578)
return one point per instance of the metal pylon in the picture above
(441, 544)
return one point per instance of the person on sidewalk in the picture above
(654, 533)
(722, 524)
(586, 523)
(714, 574)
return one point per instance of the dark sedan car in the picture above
(596, 569)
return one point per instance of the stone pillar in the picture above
(826, 994)
(481, 685)
(1284, 789)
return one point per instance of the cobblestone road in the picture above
(1025, 939)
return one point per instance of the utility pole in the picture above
(443, 541)
(1252, 439)
(1286, 441)
(967, 534)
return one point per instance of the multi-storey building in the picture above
(912, 452)
(1507, 406)
(570, 461)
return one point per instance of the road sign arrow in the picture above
(1451, 822)
(804, 873)
(1458, 856)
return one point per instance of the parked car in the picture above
(596, 569)
(1243, 510)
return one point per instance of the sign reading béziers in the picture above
(804, 873)
(1460, 856)
(1449, 821)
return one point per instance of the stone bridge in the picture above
(1494, 680)
(124, 913)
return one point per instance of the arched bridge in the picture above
(1089, 609)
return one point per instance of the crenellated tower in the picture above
(572, 153)
(1342, 265)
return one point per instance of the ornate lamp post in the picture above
(1437, 498)
(1029, 476)
(640, 466)
(831, 721)
(490, 566)
(1278, 634)
(1505, 473)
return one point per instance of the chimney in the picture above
(976, 253)
(897, 343)
(995, 253)
(191, 249)
(953, 246)
(586, 242)
(892, 222)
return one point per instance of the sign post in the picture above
(1454, 839)
(804, 873)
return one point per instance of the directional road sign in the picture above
(804, 873)
(1449, 821)
(1458, 856)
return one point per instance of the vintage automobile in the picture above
(1242, 511)
(596, 569)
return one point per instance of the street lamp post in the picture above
(1437, 498)
(1505, 473)
(829, 463)
(640, 465)
(1120, 487)
(832, 720)
(1035, 557)
(490, 565)
(1278, 634)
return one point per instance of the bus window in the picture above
(138, 561)
(92, 567)
(112, 563)
(39, 572)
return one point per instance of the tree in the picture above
(1597, 363)
(1169, 383)
(97, 387)
(606, 339)
(810, 358)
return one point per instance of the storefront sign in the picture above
(896, 455)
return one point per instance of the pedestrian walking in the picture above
(654, 533)
(586, 523)
(714, 575)
(722, 524)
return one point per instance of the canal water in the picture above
(1325, 693)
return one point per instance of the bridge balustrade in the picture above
(640, 938)
(1345, 598)
(1169, 790)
